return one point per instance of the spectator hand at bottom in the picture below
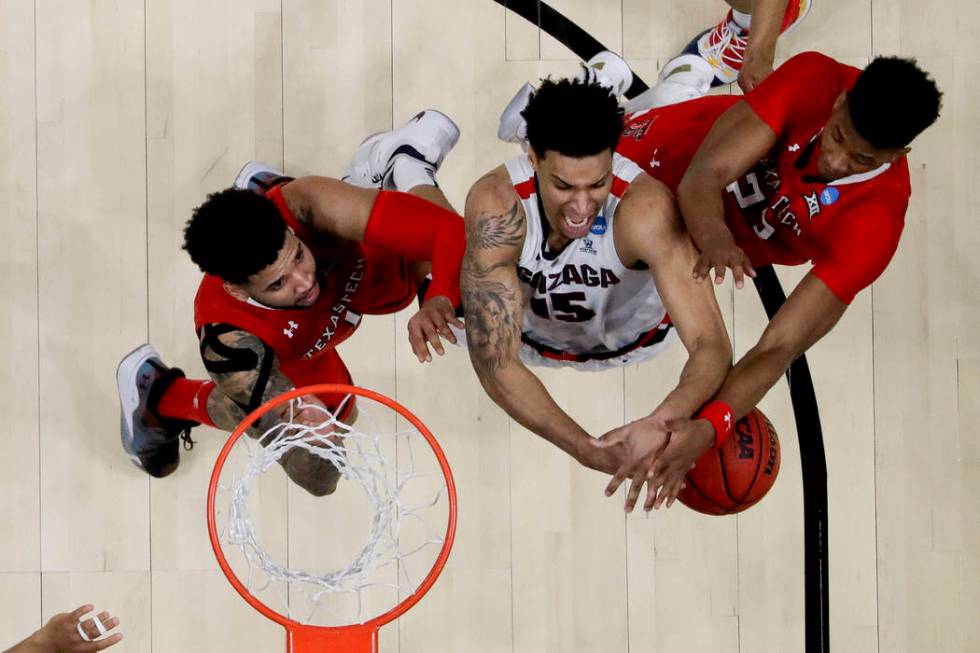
(72, 632)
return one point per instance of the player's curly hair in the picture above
(573, 118)
(892, 101)
(234, 234)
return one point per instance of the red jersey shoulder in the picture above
(862, 235)
(800, 92)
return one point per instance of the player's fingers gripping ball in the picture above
(737, 475)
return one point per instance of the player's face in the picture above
(290, 281)
(573, 190)
(843, 152)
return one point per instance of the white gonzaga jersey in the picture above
(582, 306)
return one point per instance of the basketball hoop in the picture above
(399, 473)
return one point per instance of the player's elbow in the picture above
(720, 349)
(488, 371)
(320, 478)
(322, 488)
(715, 353)
(492, 373)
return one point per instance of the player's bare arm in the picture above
(493, 305)
(337, 209)
(809, 313)
(653, 233)
(247, 375)
(650, 230)
(736, 142)
(329, 206)
(767, 18)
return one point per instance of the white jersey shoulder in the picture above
(582, 306)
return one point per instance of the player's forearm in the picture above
(809, 313)
(701, 206)
(755, 374)
(245, 372)
(521, 394)
(33, 644)
(767, 18)
(703, 375)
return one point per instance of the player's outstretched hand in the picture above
(61, 633)
(689, 439)
(431, 322)
(721, 254)
(642, 441)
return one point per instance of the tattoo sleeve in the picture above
(247, 375)
(245, 371)
(492, 301)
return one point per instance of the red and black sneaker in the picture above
(151, 440)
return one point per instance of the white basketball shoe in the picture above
(683, 78)
(513, 128)
(609, 70)
(428, 137)
(258, 177)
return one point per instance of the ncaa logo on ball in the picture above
(829, 195)
(599, 226)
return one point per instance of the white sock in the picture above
(407, 173)
(743, 21)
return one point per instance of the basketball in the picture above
(736, 476)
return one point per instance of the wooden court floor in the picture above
(117, 117)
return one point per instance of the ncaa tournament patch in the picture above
(829, 195)
(599, 226)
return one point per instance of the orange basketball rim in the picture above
(352, 638)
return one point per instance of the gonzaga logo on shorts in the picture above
(599, 226)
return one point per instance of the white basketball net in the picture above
(397, 488)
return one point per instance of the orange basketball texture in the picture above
(738, 475)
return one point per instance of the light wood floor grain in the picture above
(117, 117)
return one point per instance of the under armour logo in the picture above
(795, 147)
(653, 161)
(290, 329)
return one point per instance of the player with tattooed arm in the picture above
(576, 257)
(291, 266)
